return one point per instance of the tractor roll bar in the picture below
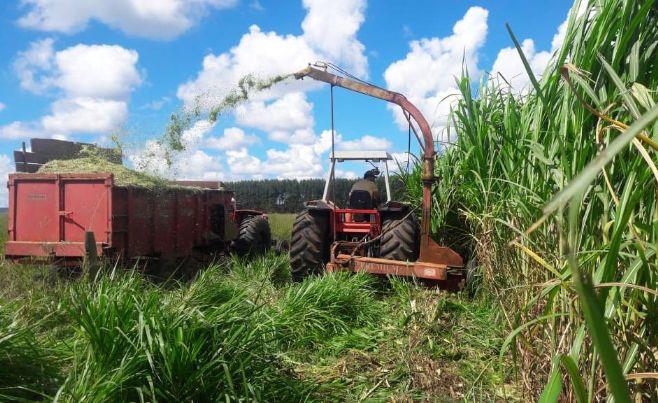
(427, 176)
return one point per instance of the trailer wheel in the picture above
(308, 248)
(254, 237)
(400, 238)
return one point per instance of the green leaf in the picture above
(576, 379)
(594, 317)
(553, 388)
(528, 69)
(643, 96)
(515, 332)
(626, 96)
(591, 171)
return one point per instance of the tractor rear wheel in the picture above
(309, 247)
(254, 237)
(400, 239)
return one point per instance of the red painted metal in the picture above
(429, 271)
(49, 214)
(355, 221)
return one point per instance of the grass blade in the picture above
(595, 319)
(576, 379)
(553, 387)
(590, 172)
(526, 64)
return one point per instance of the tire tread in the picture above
(308, 245)
(400, 238)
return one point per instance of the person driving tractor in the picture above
(365, 193)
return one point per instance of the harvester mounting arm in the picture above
(375, 92)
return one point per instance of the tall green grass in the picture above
(208, 341)
(28, 366)
(576, 284)
(242, 330)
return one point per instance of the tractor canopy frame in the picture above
(368, 156)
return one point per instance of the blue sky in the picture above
(81, 71)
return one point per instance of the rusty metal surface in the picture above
(430, 251)
(49, 215)
(429, 271)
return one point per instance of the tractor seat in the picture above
(360, 199)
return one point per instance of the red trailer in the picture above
(49, 215)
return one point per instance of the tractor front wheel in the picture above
(309, 249)
(254, 237)
(400, 239)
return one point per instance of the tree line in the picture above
(289, 195)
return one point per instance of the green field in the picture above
(281, 225)
(242, 329)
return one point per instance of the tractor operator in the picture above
(368, 184)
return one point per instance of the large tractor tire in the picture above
(255, 237)
(309, 247)
(400, 238)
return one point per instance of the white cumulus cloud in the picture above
(242, 164)
(84, 115)
(346, 174)
(331, 26)
(161, 19)
(296, 161)
(92, 84)
(270, 53)
(280, 117)
(37, 59)
(232, 138)
(19, 130)
(283, 111)
(2, 106)
(509, 65)
(426, 75)
(101, 71)
(366, 143)
(259, 53)
(201, 166)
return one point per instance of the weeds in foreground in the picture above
(242, 330)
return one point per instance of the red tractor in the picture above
(379, 237)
